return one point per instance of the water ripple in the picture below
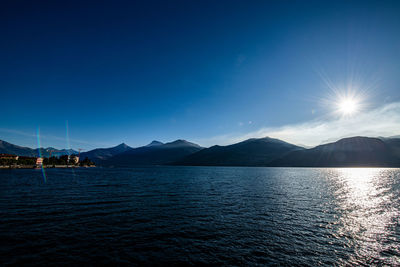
(200, 216)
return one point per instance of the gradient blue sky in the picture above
(205, 71)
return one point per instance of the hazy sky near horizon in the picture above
(96, 74)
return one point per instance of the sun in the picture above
(348, 106)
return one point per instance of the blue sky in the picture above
(213, 72)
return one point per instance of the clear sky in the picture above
(212, 72)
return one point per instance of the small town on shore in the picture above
(10, 161)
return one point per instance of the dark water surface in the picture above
(200, 215)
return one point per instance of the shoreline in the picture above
(45, 167)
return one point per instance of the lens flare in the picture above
(67, 136)
(40, 154)
(68, 145)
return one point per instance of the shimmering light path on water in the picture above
(200, 215)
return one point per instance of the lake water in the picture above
(200, 215)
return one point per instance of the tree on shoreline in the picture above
(86, 162)
(52, 161)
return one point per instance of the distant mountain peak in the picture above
(120, 148)
(264, 139)
(181, 142)
(122, 145)
(99, 154)
(155, 143)
(357, 139)
(270, 139)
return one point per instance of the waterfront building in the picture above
(39, 162)
(8, 156)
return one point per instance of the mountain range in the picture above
(347, 152)
(101, 154)
(155, 153)
(8, 148)
(252, 152)
(355, 151)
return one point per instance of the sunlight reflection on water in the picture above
(369, 213)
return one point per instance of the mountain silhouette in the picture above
(155, 143)
(159, 154)
(100, 154)
(348, 152)
(8, 148)
(252, 152)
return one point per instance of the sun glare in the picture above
(348, 106)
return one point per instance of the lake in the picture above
(200, 215)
